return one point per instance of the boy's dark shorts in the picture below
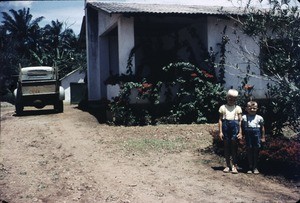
(230, 129)
(252, 137)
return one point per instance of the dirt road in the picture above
(70, 157)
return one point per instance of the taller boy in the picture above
(230, 129)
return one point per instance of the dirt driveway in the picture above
(70, 157)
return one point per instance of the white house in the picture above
(115, 28)
(76, 76)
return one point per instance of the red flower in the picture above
(248, 87)
(209, 75)
(147, 85)
(206, 74)
(140, 90)
(194, 75)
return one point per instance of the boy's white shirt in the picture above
(254, 120)
(230, 112)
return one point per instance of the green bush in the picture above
(278, 156)
(196, 98)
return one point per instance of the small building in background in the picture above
(74, 85)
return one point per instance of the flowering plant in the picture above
(145, 89)
(248, 91)
(206, 74)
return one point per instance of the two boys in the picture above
(231, 122)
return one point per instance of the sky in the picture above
(70, 12)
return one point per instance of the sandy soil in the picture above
(70, 157)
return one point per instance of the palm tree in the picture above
(21, 29)
(60, 48)
(24, 42)
(55, 36)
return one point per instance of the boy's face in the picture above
(252, 109)
(231, 100)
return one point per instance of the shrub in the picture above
(196, 98)
(281, 155)
(277, 156)
(122, 111)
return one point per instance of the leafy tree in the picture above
(59, 47)
(19, 35)
(55, 36)
(24, 42)
(277, 32)
(22, 30)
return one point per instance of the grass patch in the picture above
(154, 144)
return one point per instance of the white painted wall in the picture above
(126, 42)
(75, 76)
(236, 62)
(100, 61)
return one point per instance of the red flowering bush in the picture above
(277, 156)
(198, 97)
(194, 75)
(206, 74)
(145, 89)
(283, 154)
(248, 87)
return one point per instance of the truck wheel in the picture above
(18, 102)
(59, 106)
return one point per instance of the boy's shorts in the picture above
(252, 137)
(230, 129)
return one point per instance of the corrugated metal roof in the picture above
(134, 8)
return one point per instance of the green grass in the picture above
(154, 144)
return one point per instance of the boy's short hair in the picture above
(233, 93)
(252, 104)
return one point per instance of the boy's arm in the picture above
(240, 127)
(263, 137)
(220, 127)
(262, 129)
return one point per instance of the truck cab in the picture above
(39, 86)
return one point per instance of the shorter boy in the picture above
(254, 133)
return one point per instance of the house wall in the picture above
(126, 42)
(93, 73)
(195, 36)
(106, 51)
(236, 59)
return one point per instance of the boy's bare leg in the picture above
(234, 156)
(227, 153)
(234, 152)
